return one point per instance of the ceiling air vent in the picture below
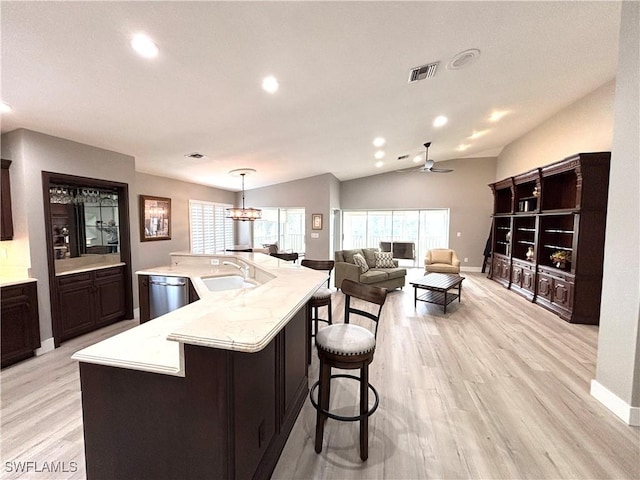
(195, 155)
(425, 71)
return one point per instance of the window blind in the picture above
(209, 229)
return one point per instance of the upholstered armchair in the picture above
(441, 260)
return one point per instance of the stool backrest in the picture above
(368, 293)
(325, 265)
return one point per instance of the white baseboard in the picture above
(628, 414)
(471, 269)
(47, 345)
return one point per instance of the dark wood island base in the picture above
(228, 417)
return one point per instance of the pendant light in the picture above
(243, 214)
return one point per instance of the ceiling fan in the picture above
(428, 164)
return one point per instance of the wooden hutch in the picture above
(548, 235)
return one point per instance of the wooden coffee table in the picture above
(437, 286)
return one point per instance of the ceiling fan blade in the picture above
(412, 169)
(440, 170)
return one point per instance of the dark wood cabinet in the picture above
(90, 300)
(501, 270)
(6, 224)
(19, 322)
(549, 225)
(228, 417)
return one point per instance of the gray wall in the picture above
(313, 194)
(618, 367)
(32, 153)
(464, 191)
(153, 254)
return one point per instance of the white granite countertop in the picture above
(244, 320)
(8, 280)
(89, 268)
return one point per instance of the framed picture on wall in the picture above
(155, 218)
(316, 221)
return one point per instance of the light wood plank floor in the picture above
(497, 388)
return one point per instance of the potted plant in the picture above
(561, 258)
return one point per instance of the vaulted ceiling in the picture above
(68, 70)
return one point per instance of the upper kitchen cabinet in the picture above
(7, 216)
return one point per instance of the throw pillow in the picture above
(369, 256)
(348, 254)
(361, 262)
(441, 256)
(384, 260)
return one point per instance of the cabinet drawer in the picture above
(109, 272)
(555, 273)
(74, 279)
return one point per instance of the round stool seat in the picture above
(345, 339)
(322, 294)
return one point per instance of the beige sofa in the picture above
(441, 260)
(345, 267)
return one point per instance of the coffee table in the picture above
(437, 286)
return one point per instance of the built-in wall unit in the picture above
(88, 252)
(548, 235)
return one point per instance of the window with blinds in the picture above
(209, 229)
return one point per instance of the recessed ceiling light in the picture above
(379, 141)
(270, 84)
(496, 115)
(379, 154)
(440, 121)
(462, 147)
(5, 107)
(145, 47)
(379, 164)
(417, 159)
(477, 134)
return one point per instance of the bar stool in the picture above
(348, 347)
(321, 298)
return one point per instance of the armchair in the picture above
(441, 260)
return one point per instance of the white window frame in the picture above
(289, 237)
(424, 242)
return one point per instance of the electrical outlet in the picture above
(459, 234)
(215, 261)
(466, 259)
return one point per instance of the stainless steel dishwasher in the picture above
(166, 294)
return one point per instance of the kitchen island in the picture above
(210, 390)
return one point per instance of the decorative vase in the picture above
(530, 254)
